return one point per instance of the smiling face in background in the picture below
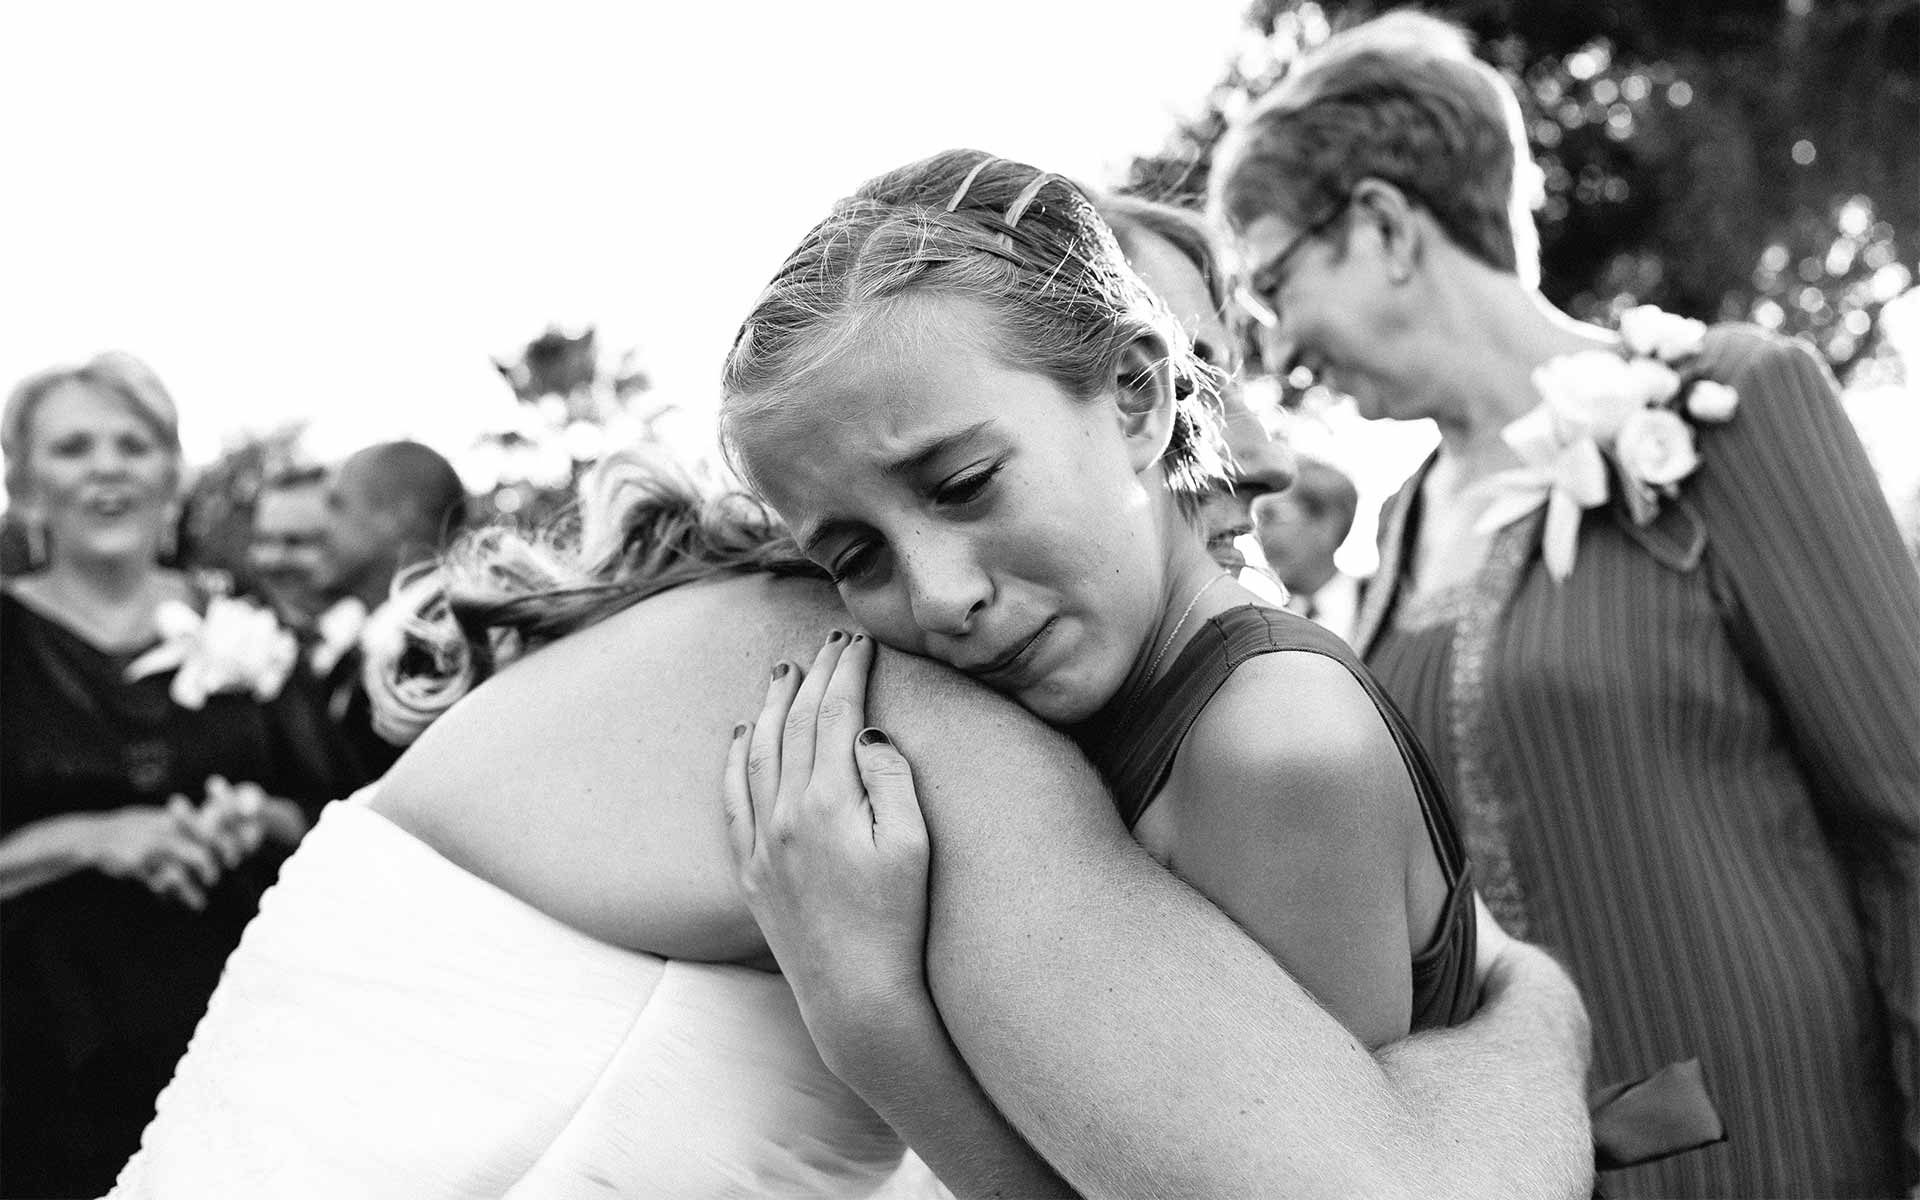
(974, 513)
(98, 474)
(1335, 312)
(288, 550)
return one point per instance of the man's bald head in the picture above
(389, 505)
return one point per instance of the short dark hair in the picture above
(286, 479)
(418, 481)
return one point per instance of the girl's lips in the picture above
(1003, 669)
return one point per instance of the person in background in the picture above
(288, 544)
(1172, 250)
(390, 507)
(1645, 603)
(1299, 530)
(159, 758)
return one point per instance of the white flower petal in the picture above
(1711, 401)
(1655, 448)
(1648, 332)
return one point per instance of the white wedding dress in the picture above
(391, 1026)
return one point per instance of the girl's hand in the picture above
(827, 841)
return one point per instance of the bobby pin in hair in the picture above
(966, 183)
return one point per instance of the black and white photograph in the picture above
(864, 600)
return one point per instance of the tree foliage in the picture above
(574, 403)
(1726, 159)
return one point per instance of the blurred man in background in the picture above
(388, 507)
(1299, 529)
(288, 545)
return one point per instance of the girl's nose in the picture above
(945, 587)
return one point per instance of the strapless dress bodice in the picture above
(392, 1026)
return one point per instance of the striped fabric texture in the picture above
(1697, 764)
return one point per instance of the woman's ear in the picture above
(1394, 220)
(1144, 392)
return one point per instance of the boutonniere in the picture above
(235, 646)
(1624, 409)
(336, 631)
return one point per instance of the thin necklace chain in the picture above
(1146, 680)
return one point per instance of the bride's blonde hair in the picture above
(644, 526)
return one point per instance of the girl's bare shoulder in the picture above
(1298, 723)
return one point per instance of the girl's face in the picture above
(978, 514)
(98, 475)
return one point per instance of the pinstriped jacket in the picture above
(1693, 769)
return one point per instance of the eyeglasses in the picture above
(1258, 296)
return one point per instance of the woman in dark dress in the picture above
(1646, 606)
(156, 767)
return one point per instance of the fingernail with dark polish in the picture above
(835, 636)
(780, 670)
(859, 637)
(873, 737)
(740, 730)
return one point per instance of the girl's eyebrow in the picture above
(918, 457)
(911, 461)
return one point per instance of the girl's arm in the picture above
(1290, 807)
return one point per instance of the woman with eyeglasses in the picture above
(1645, 604)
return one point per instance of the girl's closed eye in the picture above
(853, 564)
(968, 485)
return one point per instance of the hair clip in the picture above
(966, 183)
(1018, 208)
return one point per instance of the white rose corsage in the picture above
(1598, 407)
(235, 646)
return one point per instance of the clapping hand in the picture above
(232, 819)
(161, 847)
(180, 849)
(827, 840)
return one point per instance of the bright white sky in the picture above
(340, 211)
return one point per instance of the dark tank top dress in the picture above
(1136, 755)
(1666, 1113)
